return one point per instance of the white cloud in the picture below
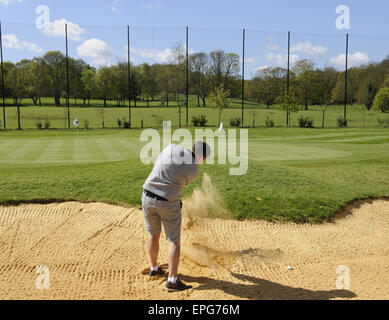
(7, 2)
(281, 59)
(98, 50)
(273, 46)
(354, 60)
(57, 29)
(260, 68)
(11, 41)
(309, 48)
(152, 5)
(161, 56)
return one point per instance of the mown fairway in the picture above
(297, 174)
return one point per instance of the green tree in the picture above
(220, 96)
(53, 62)
(88, 79)
(199, 76)
(328, 77)
(306, 83)
(18, 78)
(223, 67)
(381, 101)
(104, 81)
(77, 89)
(289, 104)
(271, 84)
(166, 82)
(147, 83)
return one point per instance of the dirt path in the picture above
(97, 251)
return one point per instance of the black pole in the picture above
(129, 75)
(346, 82)
(187, 76)
(67, 75)
(243, 65)
(288, 80)
(2, 77)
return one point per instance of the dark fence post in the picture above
(243, 65)
(187, 75)
(67, 75)
(346, 82)
(129, 75)
(288, 82)
(2, 77)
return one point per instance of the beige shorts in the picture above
(167, 213)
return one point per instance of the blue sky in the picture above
(97, 29)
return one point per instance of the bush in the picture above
(86, 124)
(235, 122)
(39, 125)
(199, 121)
(341, 122)
(269, 123)
(305, 122)
(47, 124)
(381, 100)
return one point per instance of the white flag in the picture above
(221, 127)
(76, 123)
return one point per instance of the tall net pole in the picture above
(2, 77)
(129, 75)
(243, 72)
(187, 76)
(288, 81)
(346, 82)
(67, 75)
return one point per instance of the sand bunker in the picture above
(97, 251)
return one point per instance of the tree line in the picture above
(309, 85)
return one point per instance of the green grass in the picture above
(301, 175)
(358, 116)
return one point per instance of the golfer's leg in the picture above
(153, 227)
(153, 249)
(172, 221)
(174, 259)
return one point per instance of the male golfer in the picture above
(161, 201)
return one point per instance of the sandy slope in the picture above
(97, 251)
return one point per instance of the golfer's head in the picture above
(202, 151)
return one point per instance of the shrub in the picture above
(235, 122)
(199, 121)
(47, 124)
(305, 122)
(269, 122)
(341, 122)
(86, 124)
(381, 100)
(39, 125)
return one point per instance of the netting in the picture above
(103, 85)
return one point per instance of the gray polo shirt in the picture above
(175, 168)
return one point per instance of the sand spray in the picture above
(205, 203)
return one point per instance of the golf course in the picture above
(71, 201)
(301, 175)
